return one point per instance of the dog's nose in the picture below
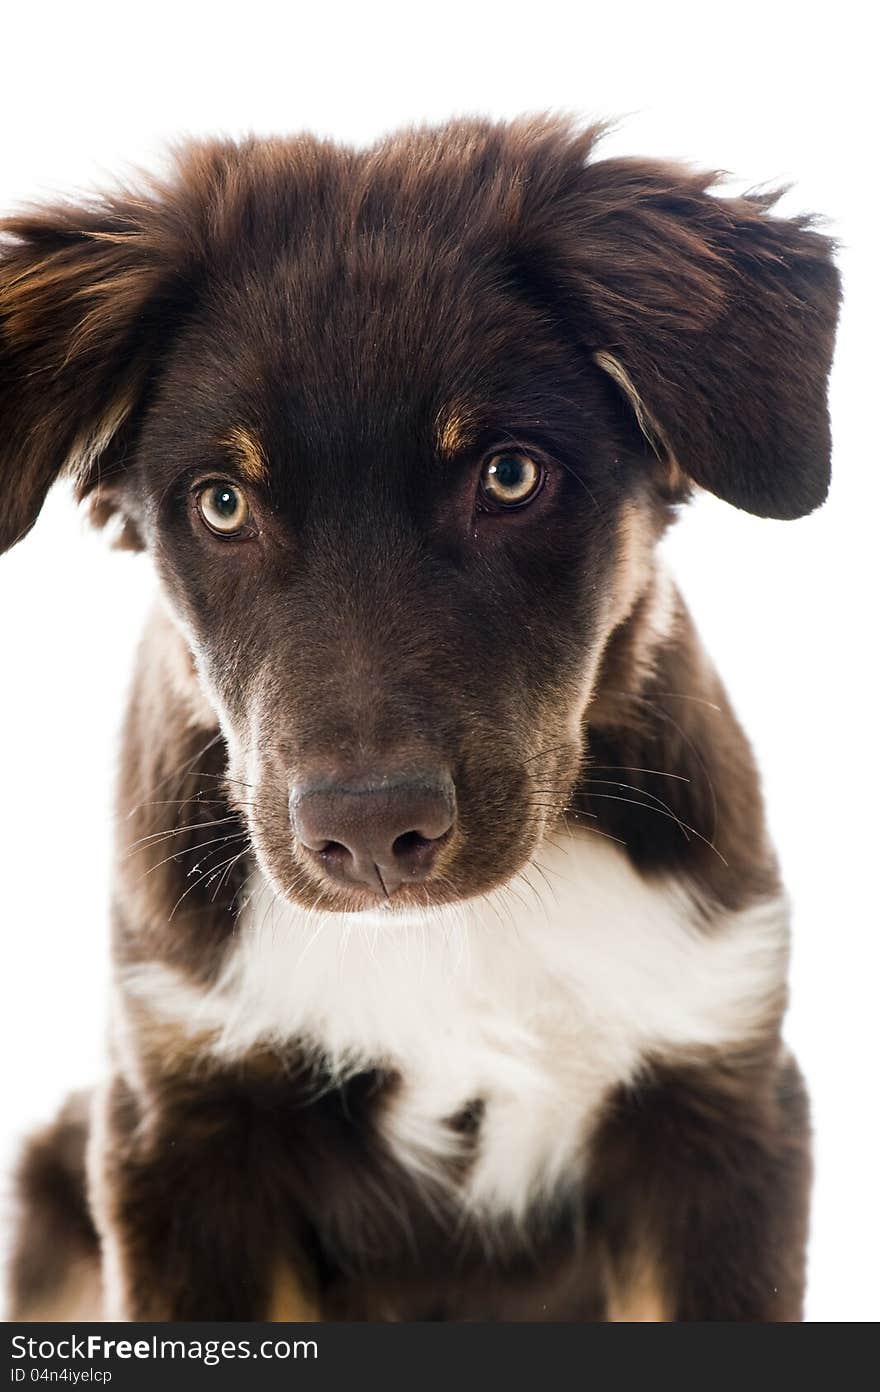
(377, 832)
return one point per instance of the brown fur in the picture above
(345, 335)
(54, 1270)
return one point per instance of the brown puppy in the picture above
(455, 990)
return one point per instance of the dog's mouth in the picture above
(414, 836)
(423, 874)
(413, 872)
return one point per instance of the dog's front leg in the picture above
(189, 1229)
(702, 1177)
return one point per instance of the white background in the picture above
(788, 610)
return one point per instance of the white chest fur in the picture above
(535, 1000)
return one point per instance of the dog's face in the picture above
(397, 525)
(381, 421)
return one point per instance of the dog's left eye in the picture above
(510, 479)
(224, 508)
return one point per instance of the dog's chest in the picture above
(515, 1016)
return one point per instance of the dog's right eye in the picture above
(224, 509)
(509, 479)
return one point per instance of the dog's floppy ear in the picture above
(87, 295)
(715, 317)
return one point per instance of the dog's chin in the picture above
(461, 875)
(302, 889)
(406, 902)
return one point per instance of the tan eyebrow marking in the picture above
(454, 430)
(248, 454)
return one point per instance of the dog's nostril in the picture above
(411, 841)
(331, 848)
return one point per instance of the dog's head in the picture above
(399, 429)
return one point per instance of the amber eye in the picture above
(224, 508)
(510, 479)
